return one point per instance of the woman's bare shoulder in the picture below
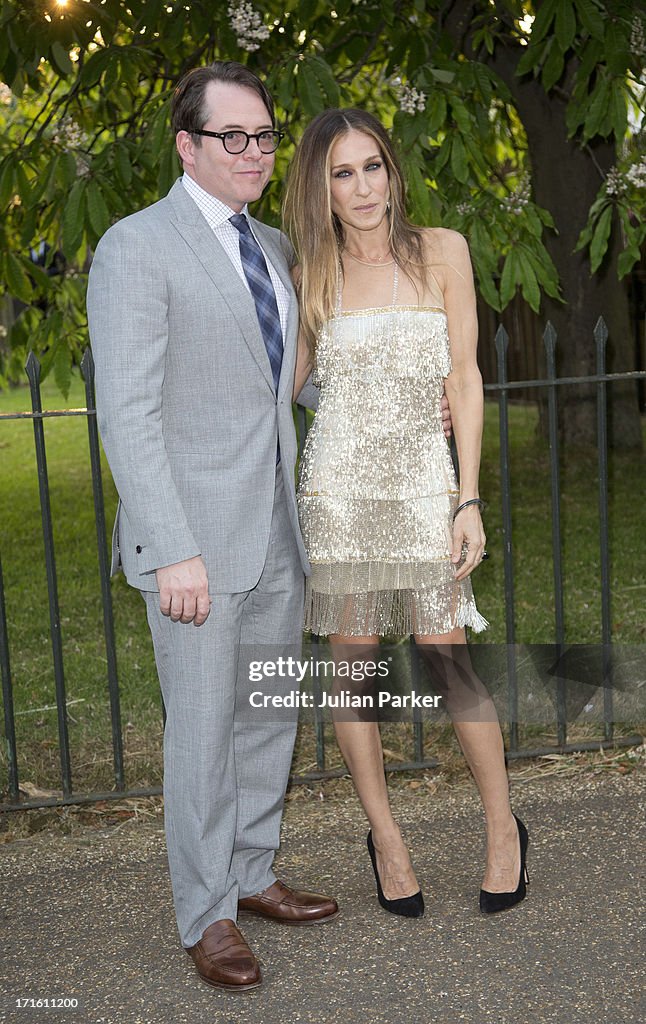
(444, 243)
(447, 253)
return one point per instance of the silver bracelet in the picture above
(465, 504)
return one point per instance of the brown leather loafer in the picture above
(223, 958)
(290, 906)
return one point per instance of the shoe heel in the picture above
(407, 906)
(493, 902)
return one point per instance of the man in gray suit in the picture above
(193, 322)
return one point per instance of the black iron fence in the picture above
(504, 390)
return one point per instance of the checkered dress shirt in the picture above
(217, 216)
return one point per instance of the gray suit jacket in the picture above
(186, 405)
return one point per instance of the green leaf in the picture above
(441, 155)
(533, 222)
(309, 90)
(63, 368)
(168, 169)
(487, 289)
(544, 18)
(598, 108)
(509, 277)
(459, 164)
(283, 85)
(111, 76)
(73, 219)
(67, 169)
(618, 111)
(327, 81)
(565, 28)
(553, 67)
(28, 230)
(532, 55)
(60, 58)
(461, 115)
(599, 243)
(418, 191)
(546, 273)
(585, 237)
(17, 281)
(98, 213)
(316, 85)
(616, 47)
(6, 182)
(435, 112)
(122, 164)
(528, 283)
(627, 260)
(94, 68)
(442, 75)
(157, 133)
(483, 81)
(590, 18)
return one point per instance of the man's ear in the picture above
(185, 144)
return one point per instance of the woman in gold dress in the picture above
(388, 318)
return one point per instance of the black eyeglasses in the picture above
(237, 142)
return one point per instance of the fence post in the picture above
(32, 367)
(601, 338)
(502, 344)
(87, 368)
(549, 338)
(7, 699)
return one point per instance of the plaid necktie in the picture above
(262, 290)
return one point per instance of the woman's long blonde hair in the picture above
(317, 233)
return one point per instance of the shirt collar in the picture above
(216, 212)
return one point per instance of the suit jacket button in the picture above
(138, 549)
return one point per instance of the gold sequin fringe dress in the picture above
(377, 487)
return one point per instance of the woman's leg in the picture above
(360, 745)
(477, 728)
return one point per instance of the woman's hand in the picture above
(468, 540)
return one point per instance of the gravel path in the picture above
(89, 917)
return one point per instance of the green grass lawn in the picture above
(21, 550)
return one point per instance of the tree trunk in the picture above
(566, 178)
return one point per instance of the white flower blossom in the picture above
(636, 174)
(517, 200)
(465, 208)
(68, 134)
(6, 94)
(411, 100)
(247, 25)
(615, 183)
(82, 165)
(637, 39)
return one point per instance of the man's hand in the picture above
(184, 591)
(446, 416)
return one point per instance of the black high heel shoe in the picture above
(492, 902)
(407, 906)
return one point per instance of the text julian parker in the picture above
(344, 699)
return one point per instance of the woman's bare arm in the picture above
(464, 391)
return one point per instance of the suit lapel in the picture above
(197, 234)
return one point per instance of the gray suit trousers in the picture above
(224, 775)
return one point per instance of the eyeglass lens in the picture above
(237, 142)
